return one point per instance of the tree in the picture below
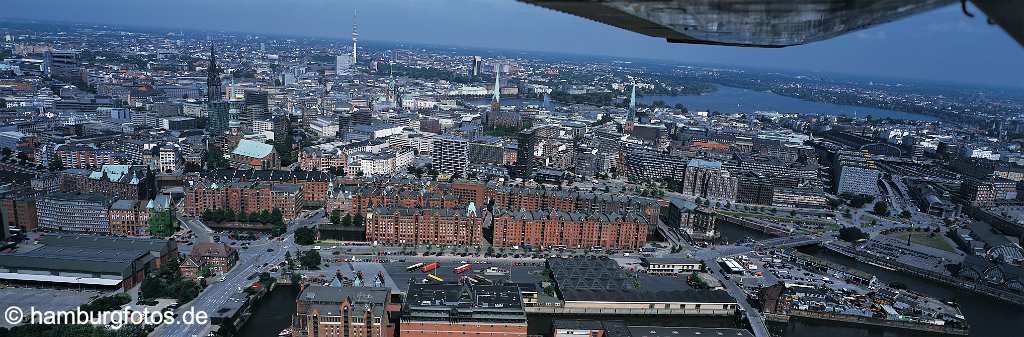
(852, 234)
(288, 260)
(215, 157)
(266, 279)
(881, 208)
(310, 259)
(905, 214)
(277, 220)
(55, 163)
(107, 303)
(161, 225)
(205, 271)
(346, 221)
(305, 236)
(357, 220)
(336, 217)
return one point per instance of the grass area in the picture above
(924, 238)
(780, 218)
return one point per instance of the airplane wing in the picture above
(765, 23)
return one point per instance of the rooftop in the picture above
(253, 149)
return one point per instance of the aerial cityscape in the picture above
(210, 183)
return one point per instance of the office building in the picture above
(855, 173)
(79, 213)
(708, 180)
(450, 155)
(65, 65)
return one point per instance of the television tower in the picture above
(355, 36)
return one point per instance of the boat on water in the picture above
(285, 333)
(494, 271)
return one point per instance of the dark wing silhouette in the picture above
(766, 23)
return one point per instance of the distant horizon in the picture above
(632, 59)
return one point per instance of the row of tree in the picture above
(168, 283)
(346, 220)
(274, 218)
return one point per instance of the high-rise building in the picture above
(526, 161)
(65, 65)
(855, 173)
(219, 117)
(631, 117)
(475, 68)
(707, 179)
(450, 155)
(257, 108)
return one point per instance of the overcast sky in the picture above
(942, 45)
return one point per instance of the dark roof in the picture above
(610, 328)
(88, 254)
(162, 246)
(656, 331)
(465, 303)
(267, 175)
(641, 295)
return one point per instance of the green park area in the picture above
(930, 239)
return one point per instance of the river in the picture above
(730, 100)
(987, 317)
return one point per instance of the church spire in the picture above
(213, 83)
(496, 100)
(632, 103)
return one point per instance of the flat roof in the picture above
(252, 149)
(59, 279)
(654, 331)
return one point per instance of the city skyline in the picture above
(407, 175)
(940, 46)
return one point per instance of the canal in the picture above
(273, 314)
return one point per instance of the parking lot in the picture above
(43, 299)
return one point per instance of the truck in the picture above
(463, 268)
(430, 267)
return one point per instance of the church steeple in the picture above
(213, 83)
(496, 99)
